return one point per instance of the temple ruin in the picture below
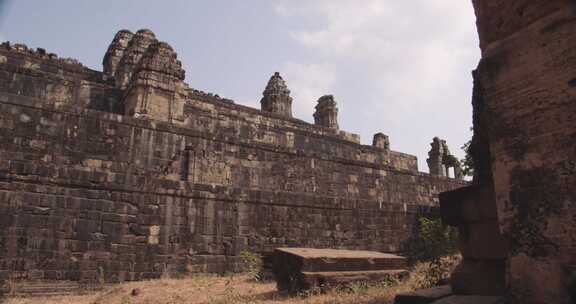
(130, 173)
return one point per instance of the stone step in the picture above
(47, 288)
(423, 296)
(326, 280)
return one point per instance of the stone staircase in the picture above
(46, 288)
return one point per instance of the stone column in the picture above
(435, 158)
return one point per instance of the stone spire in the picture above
(132, 55)
(277, 97)
(115, 52)
(326, 114)
(156, 88)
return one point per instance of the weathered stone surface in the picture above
(297, 269)
(115, 52)
(326, 114)
(523, 149)
(334, 279)
(440, 160)
(141, 175)
(132, 55)
(381, 141)
(277, 98)
(423, 296)
(156, 89)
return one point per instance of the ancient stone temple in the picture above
(129, 173)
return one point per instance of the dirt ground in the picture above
(217, 290)
(242, 289)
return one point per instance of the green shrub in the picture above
(437, 240)
(430, 274)
(438, 245)
(252, 264)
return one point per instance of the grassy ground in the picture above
(236, 289)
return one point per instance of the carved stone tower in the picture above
(277, 97)
(132, 56)
(156, 89)
(326, 114)
(381, 141)
(115, 52)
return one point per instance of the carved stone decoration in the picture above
(440, 160)
(326, 114)
(156, 89)
(132, 56)
(115, 52)
(277, 97)
(381, 141)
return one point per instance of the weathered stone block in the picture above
(297, 269)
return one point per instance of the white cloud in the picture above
(402, 66)
(307, 83)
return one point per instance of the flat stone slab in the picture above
(297, 269)
(470, 300)
(336, 253)
(319, 260)
(423, 296)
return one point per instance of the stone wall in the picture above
(519, 219)
(86, 191)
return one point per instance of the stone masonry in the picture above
(128, 173)
(517, 221)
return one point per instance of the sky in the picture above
(398, 67)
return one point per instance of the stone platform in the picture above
(298, 269)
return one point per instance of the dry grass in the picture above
(239, 289)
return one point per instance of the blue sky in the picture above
(398, 67)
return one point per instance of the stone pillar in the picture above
(529, 153)
(132, 55)
(156, 89)
(326, 114)
(435, 158)
(115, 52)
(381, 141)
(277, 97)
